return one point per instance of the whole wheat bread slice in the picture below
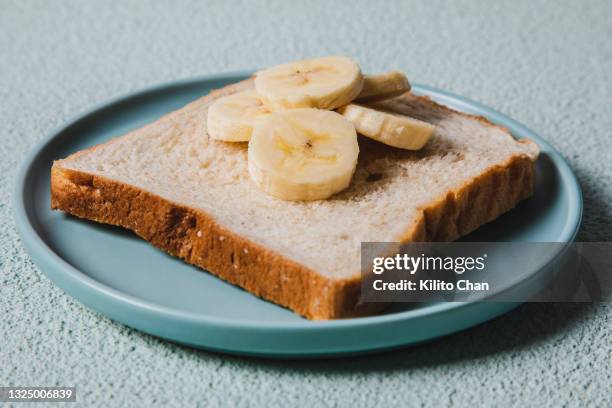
(192, 197)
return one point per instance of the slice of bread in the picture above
(192, 196)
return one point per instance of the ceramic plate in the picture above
(117, 274)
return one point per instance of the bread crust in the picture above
(194, 236)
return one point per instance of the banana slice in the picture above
(303, 154)
(389, 128)
(231, 118)
(324, 83)
(383, 86)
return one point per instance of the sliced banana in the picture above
(383, 86)
(303, 154)
(389, 128)
(324, 83)
(231, 118)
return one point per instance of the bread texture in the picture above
(191, 196)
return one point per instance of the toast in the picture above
(191, 196)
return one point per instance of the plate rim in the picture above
(36, 245)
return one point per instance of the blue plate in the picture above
(114, 272)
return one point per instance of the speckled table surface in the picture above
(547, 64)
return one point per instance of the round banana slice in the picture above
(383, 86)
(324, 83)
(303, 154)
(390, 128)
(231, 118)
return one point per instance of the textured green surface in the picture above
(547, 64)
